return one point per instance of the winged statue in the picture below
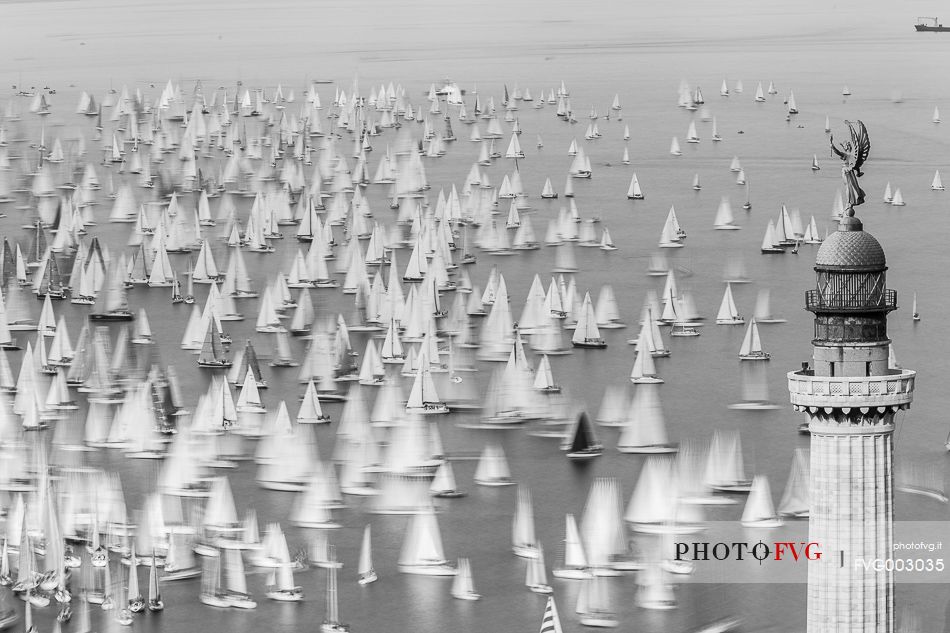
(853, 154)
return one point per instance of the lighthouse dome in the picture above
(851, 248)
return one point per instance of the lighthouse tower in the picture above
(851, 396)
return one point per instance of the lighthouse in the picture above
(850, 397)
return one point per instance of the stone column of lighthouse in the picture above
(850, 396)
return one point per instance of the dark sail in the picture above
(583, 434)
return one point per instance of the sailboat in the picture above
(672, 235)
(728, 313)
(724, 218)
(155, 602)
(463, 587)
(792, 107)
(691, 134)
(655, 592)
(211, 592)
(331, 623)
(587, 334)
(759, 510)
(916, 314)
(937, 184)
(644, 429)
(213, 354)
(644, 369)
(492, 468)
(365, 569)
(606, 242)
(769, 244)
(752, 344)
(310, 411)
(523, 540)
(583, 440)
(898, 199)
(142, 333)
(675, 147)
(443, 484)
(235, 580)
(280, 584)
(814, 163)
(536, 577)
(763, 308)
(725, 471)
(423, 397)
(593, 603)
(634, 192)
(755, 389)
(811, 235)
(422, 548)
(550, 622)
(796, 499)
(574, 564)
(111, 301)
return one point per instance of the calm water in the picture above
(640, 54)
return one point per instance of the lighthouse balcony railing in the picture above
(809, 390)
(876, 300)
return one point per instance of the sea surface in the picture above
(641, 53)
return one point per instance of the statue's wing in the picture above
(860, 143)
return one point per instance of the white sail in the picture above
(724, 217)
(672, 235)
(492, 468)
(633, 191)
(587, 334)
(728, 313)
(463, 587)
(654, 591)
(644, 368)
(523, 540)
(763, 308)
(751, 348)
(759, 510)
(769, 240)
(536, 577)
(691, 135)
(644, 430)
(575, 560)
(422, 551)
(796, 500)
(367, 573)
(675, 147)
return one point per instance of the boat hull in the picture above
(437, 569)
(772, 522)
(649, 450)
(586, 454)
(110, 316)
(591, 345)
(603, 621)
